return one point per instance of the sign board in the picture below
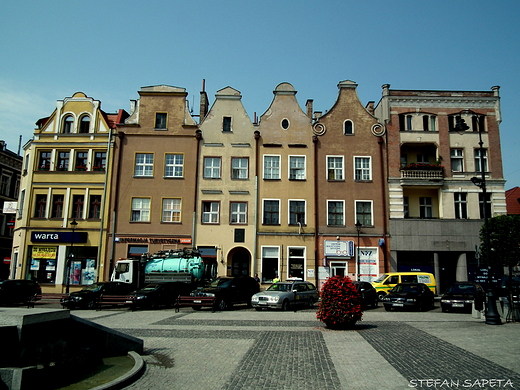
(368, 264)
(339, 248)
(10, 207)
(59, 237)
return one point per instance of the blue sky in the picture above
(110, 49)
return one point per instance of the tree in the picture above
(504, 240)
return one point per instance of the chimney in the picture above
(308, 107)
(204, 104)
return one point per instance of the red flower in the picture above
(340, 304)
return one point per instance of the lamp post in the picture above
(492, 316)
(358, 228)
(73, 225)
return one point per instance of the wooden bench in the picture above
(195, 302)
(46, 298)
(116, 300)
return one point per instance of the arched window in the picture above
(68, 124)
(348, 127)
(84, 124)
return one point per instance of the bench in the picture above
(195, 302)
(46, 298)
(116, 300)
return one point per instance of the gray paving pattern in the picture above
(245, 349)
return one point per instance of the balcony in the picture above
(422, 174)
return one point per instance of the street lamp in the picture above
(492, 316)
(358, 228)
(73, 225)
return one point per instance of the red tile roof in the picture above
(513, 200)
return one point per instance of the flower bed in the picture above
(340, 305)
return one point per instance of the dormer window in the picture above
(348, 127)
(160, 120)
(226, 124)
(68, 124)
(285, 124)
(84, 124)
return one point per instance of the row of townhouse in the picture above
(358, 190)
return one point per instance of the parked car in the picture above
(461, 295)
(17, 291)
(154, 295)
(227, 291)
(282, 295)
(409, 296)
(384, 283)
(89, 295)
(368, 294)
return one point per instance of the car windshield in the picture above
(462, 288)
(93, 287)
(406, 288)
(280, 287)
(381, 278)
(223, 283)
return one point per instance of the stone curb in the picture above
(129, 377)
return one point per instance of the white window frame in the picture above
(239, 168)
(478, 168)
(143, 165)
(238, 213)
(211, 216)
(297, 167)
(279, 211)
(272, 172)
(304, 222)
(270, 252)
(457, 155)
(333, 160)
(171, 210)
(140, 209)
(426, 209)
(175, 167)
(302, 257)
(460, 200)
(363, 220)
(342, 212)
(362, 173)
(345, 128)
(212, 167)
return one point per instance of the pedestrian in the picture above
(256, 278)
(276, 279)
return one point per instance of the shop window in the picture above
(296, 263)
(270, 264)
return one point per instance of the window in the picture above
(486, 204)
(40, 206)
(100, 161)
(296, 262)
(238, 213)
(174, 165)
(457, 160)
(406, 207)
(94, 211)
(270, 261)
(477, 123)
(77, 206)
(44, 161)
(429, 123)
(348, 127)
(239, 167)
(57, 206)
(226, 123)
(68, 124)
(21, 203)
(409, 123)
(461, 207)
(5, 183)
(425, 207)
(285, 124)
(478, 163)
(271, 212)
(362, 170)
(364, 213)
(84, 124)
(160, 120)
(296, 167)
(140, 210)
(334, 167)
(210, 212)
(423, 159)
(271, 167)
(143, 164)
(335, 213)
(81, 161)
(171, 210)
(212, 167)
(296, 212)
(63, 161)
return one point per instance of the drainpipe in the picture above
(103, 209)
(255, 248)
(381, 142)
(121, 136)
(198, 137)
(316, 222)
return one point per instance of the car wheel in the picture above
(285, 305)
(375, 303)
(311, 303)
(444, 309)
(388, 308)
(91, 305)
(380, 296)
(222, 305)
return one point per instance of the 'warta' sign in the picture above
(59, 237)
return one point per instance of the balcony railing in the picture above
(423, 171)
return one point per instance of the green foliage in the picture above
(504, 240)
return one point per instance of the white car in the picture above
(283, 295)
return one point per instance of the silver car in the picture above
(283, 295)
